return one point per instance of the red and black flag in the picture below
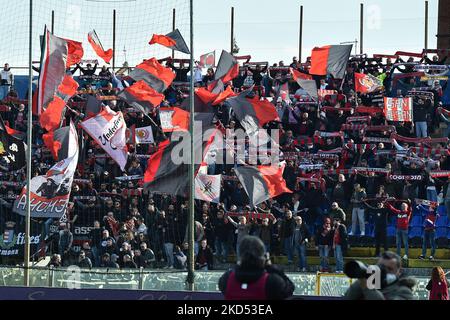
(168, 168)
(262, 182)
(299, 75)
(208, 60)
(227, 69)
(330, 60)
(62, 143)
(367, 83)
(251, 112)
(141, 96)
(12, 150)
(214, 98)
(310, 86)
(93, 106)
(154, 74)
(51, 117)
(98, 47)
(173, 40)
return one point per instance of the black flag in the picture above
(12, 152)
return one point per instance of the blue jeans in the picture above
(221, 248)
(339, 257)
(323, 253)
(429, 236)
(3, 92)
(301, 250)
(168, 250)
(432, 194)
(267, 247)
(421, 129)
(402, 236)
(288, 250)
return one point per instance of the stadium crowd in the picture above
(357, 179)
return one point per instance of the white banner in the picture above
(108, 129)
(144, 135)
(207, 187)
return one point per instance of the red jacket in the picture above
(402, 217)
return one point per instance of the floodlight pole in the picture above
(426, 26)
(232, 30)
(191, 226)
(300, 36)
(173, 27)
(114, 40)
(29, 147)
(53, 21)
(361, 29)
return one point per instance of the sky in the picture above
(268, 30)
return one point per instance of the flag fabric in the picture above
(141, 96)
(53, 69)
(252, 113)
(51, 117)
(262, 182)
(207, 187)
(174, 119)
(299, 75)
(93, 106)
(173, 40)
(330, 60)
(227, 69)
(310, 87)
(98, 47)
(62, 143)
(167, 169)
(154, 74)
(12, 152)
(367, 83)
(398, 109)
(143, 135)
(75, 52)
(108, 129)
(208, 60)
(50, 193)
(214, 98)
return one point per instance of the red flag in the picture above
(75, 52)
(173, 40)
(208, 60)
(213, 98)
(154, 74)
(98, 47)
(300, 75)
(367, 83)
(162, 40)
(174, 119)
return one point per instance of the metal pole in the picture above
(191, 274)
(53, 21)
(232, 30)
(173, 28)
(426, 25)
(300, 37)
(361, 29)
(114, 39)
(28, 156)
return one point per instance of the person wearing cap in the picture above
(106, 262)
(254, 277)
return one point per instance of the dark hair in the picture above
(252, 253)
(389, 255)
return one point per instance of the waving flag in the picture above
(141, 96)
(62, 143)
(262, 182)
(173, 40)
(174, 119)
(330, 60)
(98, 47)
(108, 129)
(214, 98)
(51, 117)
(207, 187)
(367, 83)
(227, 70)
(12, 152)
(154, 74)
(252, 113)
(75, 52)
(143, 135)
(208, 60)
(50, 193)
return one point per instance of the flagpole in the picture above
(191, 226)
(29, 149)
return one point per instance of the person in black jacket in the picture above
(324, 240)
(340, 241)
(254, 277)
(420, 110)
(128, 263)
(286, 233)
(300, 239)
(95, 236)
(223, 231)
(381, 215)
(204, 260)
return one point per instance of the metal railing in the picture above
(306, 284)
